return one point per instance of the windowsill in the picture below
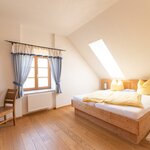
(38, 91)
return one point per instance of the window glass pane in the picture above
(31, 73)
(42, 62)
(30, 83)
(33, 62)
(42, 72)
(43, 82)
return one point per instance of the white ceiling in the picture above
(58, 16)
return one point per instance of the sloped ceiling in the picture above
(125, 29)
(57, 16)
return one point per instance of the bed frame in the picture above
(129, 129)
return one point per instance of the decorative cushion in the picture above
(143, 87)
(117, 85)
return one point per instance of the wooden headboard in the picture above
(128, 84)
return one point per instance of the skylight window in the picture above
(104, 56)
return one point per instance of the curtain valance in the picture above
(33, 50)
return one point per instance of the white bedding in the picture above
(127, 111)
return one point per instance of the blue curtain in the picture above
(56, 66)
(22, 65)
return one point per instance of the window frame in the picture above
(36, 87)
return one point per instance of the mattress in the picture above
(127, 111)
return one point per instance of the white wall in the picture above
(8, 31)
(124, 27)
(77, 77)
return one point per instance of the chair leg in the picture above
(5, 117)
(14, 118)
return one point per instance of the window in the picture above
(104, 56)
(39, 76)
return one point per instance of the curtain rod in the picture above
(35, 45)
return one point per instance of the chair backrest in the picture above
(10, 97)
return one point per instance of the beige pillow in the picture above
(143, 87)
(117, 85)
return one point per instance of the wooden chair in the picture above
(9, 106)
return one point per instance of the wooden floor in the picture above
(60, 129)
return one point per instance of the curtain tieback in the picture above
(58, 83)
(18, 84)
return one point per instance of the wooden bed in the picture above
(129, 129)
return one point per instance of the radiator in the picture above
(40, 101)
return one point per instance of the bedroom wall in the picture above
(77, 76)
(124, 28)
(8, 31)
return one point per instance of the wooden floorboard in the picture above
(60, 129)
